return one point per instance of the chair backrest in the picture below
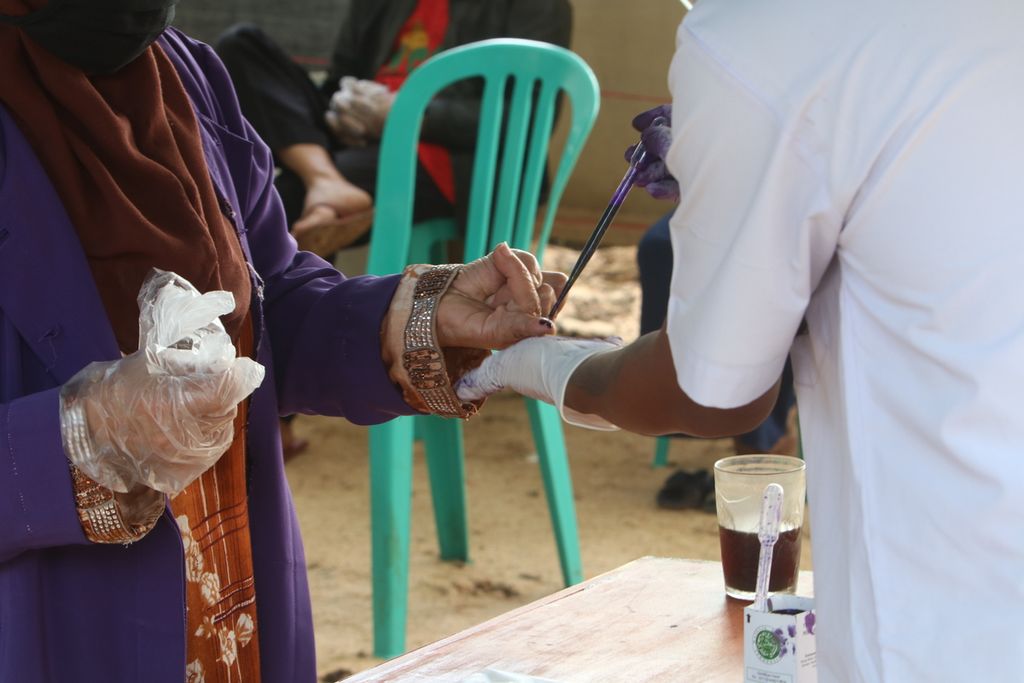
(502, 206)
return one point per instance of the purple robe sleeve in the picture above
(324, 328)
(37, 506)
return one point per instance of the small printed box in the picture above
(778, 645)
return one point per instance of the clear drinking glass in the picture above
(739, 485)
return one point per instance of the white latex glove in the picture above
(164, 414)
(360, 108)
(539, 367)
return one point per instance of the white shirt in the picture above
(861, 164)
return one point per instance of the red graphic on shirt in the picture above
(419, 38)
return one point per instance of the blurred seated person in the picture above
(695, 489)
(326, 139)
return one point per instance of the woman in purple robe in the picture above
(146, 528)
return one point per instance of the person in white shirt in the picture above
(851, 181)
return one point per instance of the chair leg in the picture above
(799, 439)
(661, 452)
(442, 441)
(554, 464)
(390, 500)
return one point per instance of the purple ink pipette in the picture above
(767, 534)
(606, 219)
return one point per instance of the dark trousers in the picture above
(286, 108)
(655, 260)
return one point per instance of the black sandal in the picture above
(688, 490)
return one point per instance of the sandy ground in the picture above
(513, 554)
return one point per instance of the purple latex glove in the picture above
(652, 174)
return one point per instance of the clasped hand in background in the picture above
(357, 111)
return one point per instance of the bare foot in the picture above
(330, 199)
(326, 238)
(291, 444)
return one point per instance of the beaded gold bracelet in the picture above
(98, 511)
(422, 357)
(99, 514)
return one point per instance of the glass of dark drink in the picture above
(739, 485)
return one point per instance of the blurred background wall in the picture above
(628, 44)
(305, 28)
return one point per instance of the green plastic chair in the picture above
(661, 446)
(502, 207)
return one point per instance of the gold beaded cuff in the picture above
(422, 357)
(98, 511)
(99, 514)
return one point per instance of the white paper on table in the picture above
(496, 676)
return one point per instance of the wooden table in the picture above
(654, 619)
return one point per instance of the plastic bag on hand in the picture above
(164, 414)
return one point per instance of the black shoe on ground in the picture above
(688, 490)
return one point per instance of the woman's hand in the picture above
(497, 300)
(492, 303)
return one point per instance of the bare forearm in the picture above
(310, 162)
(636, 388)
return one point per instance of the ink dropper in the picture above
(767, 534)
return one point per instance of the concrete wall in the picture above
(628, 44)
(305, 28)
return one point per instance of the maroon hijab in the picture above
(125, 155)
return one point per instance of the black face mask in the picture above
(97, 36)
